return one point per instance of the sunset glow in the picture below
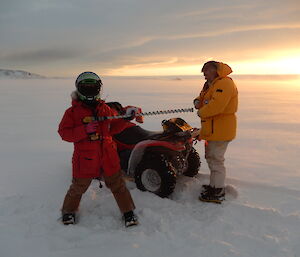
(283, 65)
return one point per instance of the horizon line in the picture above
(179, 77)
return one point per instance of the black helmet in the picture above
(88, 86)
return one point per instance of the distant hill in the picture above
(19, 74)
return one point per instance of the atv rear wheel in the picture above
(156, 175)
(193, 163)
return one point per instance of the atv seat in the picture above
(134, 135)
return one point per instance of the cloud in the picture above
(238, 44)
(116, 33)
(41, 56)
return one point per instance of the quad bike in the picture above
(155, 159)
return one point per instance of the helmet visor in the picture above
(89, 87)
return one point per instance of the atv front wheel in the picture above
(193, 163)
(156, 175)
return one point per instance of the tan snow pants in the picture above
(214, 155)
(115, 183)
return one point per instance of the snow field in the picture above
(261, 216)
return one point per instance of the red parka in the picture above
(91, 158)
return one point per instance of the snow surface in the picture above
(260, 218)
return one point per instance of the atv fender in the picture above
(138, 151)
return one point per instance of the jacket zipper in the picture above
(212, 126)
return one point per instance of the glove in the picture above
(196, 133)
(91, 127)
(132, 112)
(196, 103)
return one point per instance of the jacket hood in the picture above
(76, 101)
(74, 95)
(223, 69)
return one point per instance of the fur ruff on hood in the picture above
(74, 95)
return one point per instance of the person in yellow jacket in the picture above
(217, 105)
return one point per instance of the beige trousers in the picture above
(214, 155)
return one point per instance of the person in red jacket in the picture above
(95, 153)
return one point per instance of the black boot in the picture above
(68, 218)
(130, 219)
(213, 195)
(204, 188)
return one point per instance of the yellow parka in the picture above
(218, 105)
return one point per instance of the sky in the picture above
(149, 38)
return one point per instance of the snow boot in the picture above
(204, 188)
(130, 219)
(68, 218)
(213, 195)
